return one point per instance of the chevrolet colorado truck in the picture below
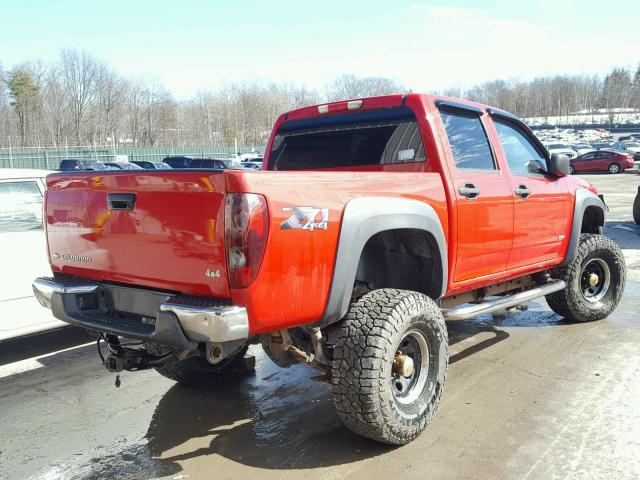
(371, 223)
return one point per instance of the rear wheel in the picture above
(614, 168)
(570, 170)
(390, 365)
(197, 371)
(595, 281)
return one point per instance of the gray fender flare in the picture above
(584, 200)
(362, 219)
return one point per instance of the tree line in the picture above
(560, 95)
(81, 100)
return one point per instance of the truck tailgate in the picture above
(162, 229)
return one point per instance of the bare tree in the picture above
(79, 71)
(351, 86)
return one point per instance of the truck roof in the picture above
(371, 103)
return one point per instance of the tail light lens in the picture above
(246, 226)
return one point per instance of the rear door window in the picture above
(20, 206)
(345, 141)
(468, 140)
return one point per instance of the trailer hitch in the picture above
(128, 360)
(123, 357)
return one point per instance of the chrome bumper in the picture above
(156, 317)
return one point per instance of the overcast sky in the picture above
(426, 46)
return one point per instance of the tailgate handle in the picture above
(121, 201)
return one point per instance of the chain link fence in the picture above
(50, 157)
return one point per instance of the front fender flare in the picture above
(584, 199)
(362, 219)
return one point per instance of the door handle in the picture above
(522, 191)
(470, 191)
(121, 201)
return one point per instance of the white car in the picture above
(23, 253)
(631, 147)
(563, 149)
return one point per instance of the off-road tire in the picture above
(196, 371)
(636, 208)
(570, 302)
(361, 372)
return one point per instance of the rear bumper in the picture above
(156, 317)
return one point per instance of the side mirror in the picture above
(559, 165)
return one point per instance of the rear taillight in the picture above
(246, 226)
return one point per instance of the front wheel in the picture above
(390, 365)
(570, 170)
(614, 168)
(595, 281)
(636, 208)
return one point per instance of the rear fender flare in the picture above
(362, 219)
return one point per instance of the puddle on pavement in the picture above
(277, 418)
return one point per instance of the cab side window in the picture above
(469, 142)
(522, 155)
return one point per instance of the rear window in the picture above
(351, 140)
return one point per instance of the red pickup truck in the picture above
(372, 222)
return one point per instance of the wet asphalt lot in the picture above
(529, 396)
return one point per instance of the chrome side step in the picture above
(467, 311)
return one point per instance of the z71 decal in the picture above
(306, 218)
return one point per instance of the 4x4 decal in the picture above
(306, 218)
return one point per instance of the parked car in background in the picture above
(562, 149)
(215, 163)
(601, 146)
(583, 148)
(23, 253)
(250, 157)
(179, 161)
(632, 148)
(151, 165)
(123, 166)
(602, 161)
(252, 165)
(77, 164)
